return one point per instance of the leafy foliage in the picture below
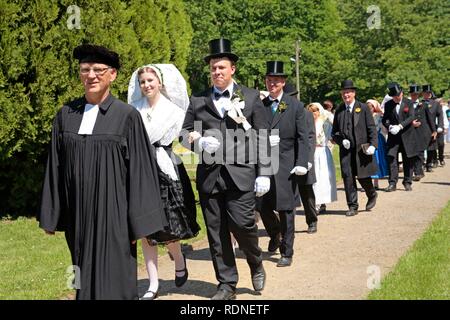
(38, 73)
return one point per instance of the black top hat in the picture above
(275, 68)
(426, 88)
(394, 89)
(347, 84)
(290, 90)
(414, 88)
(220, 48)
(98, 54)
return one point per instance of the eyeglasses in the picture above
(97, 71)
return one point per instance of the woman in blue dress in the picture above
(380, 153)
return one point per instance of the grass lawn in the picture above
(337, 162)
(32, 264)
(424, 271)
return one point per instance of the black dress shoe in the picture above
(442, 163)
(390, 188)
(429, 169)
(284, 262)
(150, 295)
(323, 209)
(259, 278)
(179, 281)
(274, 244)
(223, 294)
(371, 202)
(416, 178)
(351, 212)
(408, 187)
(312, 228)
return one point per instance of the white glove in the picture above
(346, 144)
(209, 144)
(299, 171)
(274, 140)
(439, 130)
(262, 185)
(309, 166)
(394, 129)
(370, 150)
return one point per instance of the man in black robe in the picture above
(101, 186)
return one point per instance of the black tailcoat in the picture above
(364, 131)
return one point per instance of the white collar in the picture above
(277, 98)
(229, 88)
(351, 105)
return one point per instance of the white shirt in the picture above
(222, 101)
(351, 105)
(397, 107)
(89, 118)
(277, 98)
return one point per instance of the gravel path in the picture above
(338, 261)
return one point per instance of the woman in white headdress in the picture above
(158, 92)
(325, 185)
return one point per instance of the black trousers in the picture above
(284, 224)
(229, 209)
(431, 158)
(441, 144)
(418, 164)
(407, 167)
(351, 192)
(309, 202)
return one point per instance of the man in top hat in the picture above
(305, 182)
(222, 123)
(289, 142)
(437, 117)
(426, 130)
(355, 132)
(399, 118)
(100, 184)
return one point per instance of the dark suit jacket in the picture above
(293, 149)
(427, 127)
(241, 156)
(365, 131)
(310, 177)
(408, 135)
(437, 118)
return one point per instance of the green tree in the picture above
(38, 73)
(411, 44)
(267, 30)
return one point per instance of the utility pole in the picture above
(297, 62)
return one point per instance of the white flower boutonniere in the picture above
(237, 104)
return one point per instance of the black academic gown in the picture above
(102, 191)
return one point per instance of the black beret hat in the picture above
(93, 53)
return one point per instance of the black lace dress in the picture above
(179, 205)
